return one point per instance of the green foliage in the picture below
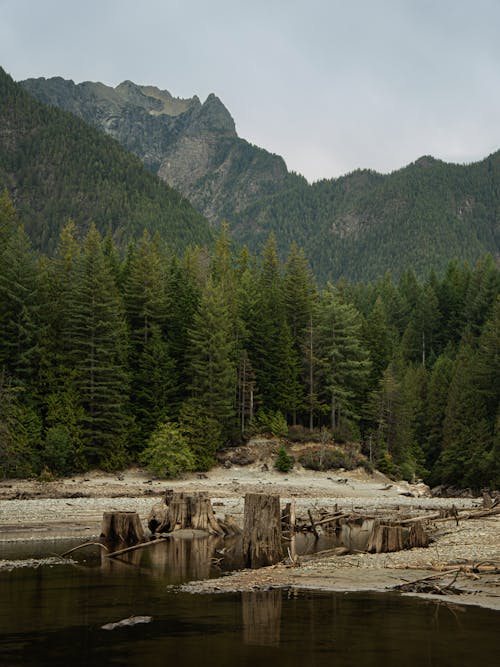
(270, 421)
(284, 462)
(203, 433)
(57, 452)
(167, 453)
(330, 458)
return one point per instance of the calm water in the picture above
(52, 615)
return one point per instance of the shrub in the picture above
(284, 462)
(271, 421)
(326, 459)
(168, 453)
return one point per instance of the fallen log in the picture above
(86, 544)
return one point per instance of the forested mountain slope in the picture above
(356, 226)
(192, 146)
(57, 167)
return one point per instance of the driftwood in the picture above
(127, 622)
(122, 528)
(81, 546)
(127, 550)
(313, 525)
(261, 530)
(429, 585)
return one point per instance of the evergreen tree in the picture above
(344, 360)
(19, 309)
(213, 373)
(98, 354)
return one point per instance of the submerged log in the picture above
(123, 528)
(262, 530)
(384, 539)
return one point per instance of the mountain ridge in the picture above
(56, 167)
(356, 226)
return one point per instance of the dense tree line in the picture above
(106, 359)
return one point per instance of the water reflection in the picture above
(261, 611)
(54, 615)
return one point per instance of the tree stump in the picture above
(122, 528)
(158, 516)
(417, 537)
(262, 530)
(385, 538)
(191, 511)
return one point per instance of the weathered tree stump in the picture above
(385, 538)
(417, 537)
(158, 516)
(122, 528)
(262, 530)
(288, 517)
(230, 526)
(186, 511)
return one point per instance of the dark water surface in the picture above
(52, 615)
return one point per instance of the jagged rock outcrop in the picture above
(193, 146)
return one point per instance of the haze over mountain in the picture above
(357, 226)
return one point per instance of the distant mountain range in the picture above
(357, 226)
(56, 167)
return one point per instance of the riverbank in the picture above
(34, 510)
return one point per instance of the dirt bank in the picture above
(73, 507)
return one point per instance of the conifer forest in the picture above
(112, 356)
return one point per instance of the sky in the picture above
(330, 85)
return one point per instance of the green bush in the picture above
(270, 421)
(325, 459)
(168, 453)
(284, 462)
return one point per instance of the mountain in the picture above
(56, 167)
(357, 226)
(192, 146)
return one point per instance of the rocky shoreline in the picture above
(73, 508)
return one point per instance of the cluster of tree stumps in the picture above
(266, 528)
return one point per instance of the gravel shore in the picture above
(33, 510)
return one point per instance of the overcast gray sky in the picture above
(331, 85)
